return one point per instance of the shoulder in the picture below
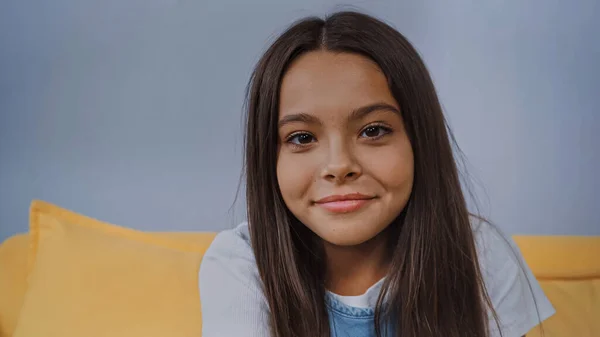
(516, 296)
(495, 250)
(231, 294)
(231, 244)
(230, 259)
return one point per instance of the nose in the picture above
(341, 165)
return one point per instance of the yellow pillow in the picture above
(568, 270)
(13, 262)
(89, 278)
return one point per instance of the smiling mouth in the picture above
(344, 203)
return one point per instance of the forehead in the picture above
(325, 81)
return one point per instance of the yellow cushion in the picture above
(577, 304)
(561, 257)
(89, 278)
(568, 270)
(13, 261)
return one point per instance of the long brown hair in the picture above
(434, 286)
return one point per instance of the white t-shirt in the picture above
(233, 303)
(366, 300)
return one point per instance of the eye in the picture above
(375, 131)
(301, 138)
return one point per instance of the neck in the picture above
(351, 270)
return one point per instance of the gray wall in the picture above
(130, 111)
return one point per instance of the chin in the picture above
(344, 241)
(348, 233)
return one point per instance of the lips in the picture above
(344, 203)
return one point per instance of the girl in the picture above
(357, 225)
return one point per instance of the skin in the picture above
(341, 132)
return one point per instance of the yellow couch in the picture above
(75, 276)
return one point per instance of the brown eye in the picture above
(301, 139)
(375, 131)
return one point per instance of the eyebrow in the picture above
(299, 117)
(354, 115)
(368, 109)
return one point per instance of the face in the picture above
(345, 163)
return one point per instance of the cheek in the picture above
(294, 179)
(393, 168)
